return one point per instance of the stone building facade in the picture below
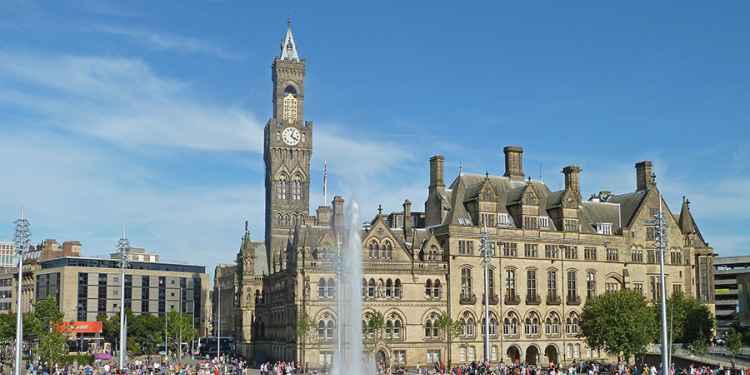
(552, 251)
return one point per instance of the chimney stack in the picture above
(71, 248)
(514, 162)
(644, 175)
(572, 178)
(407, 218)
(436, 171)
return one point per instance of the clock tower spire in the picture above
(287, 152)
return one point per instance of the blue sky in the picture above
(150, 114)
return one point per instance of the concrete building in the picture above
(7, 254)
(9, 275)
(137, 254)
(50, 249)
(553, 251)
(732, 282)
(89, 287)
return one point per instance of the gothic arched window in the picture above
(371, 288)
(297, 187)
(466, 283)
(331, 291)
(387, 250)
(322, 288)
(290, 107)
(281, 187)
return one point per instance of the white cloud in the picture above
(76, 187)
(76, 193)
(170, 42)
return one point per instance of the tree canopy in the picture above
(620, 322)
(691, 320)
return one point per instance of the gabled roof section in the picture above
(592, 213)
(629, 204)
(379, 226)
(288, 46)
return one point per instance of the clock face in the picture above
(291, 136)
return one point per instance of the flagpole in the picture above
(325, 183)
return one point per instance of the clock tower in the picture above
(287, 152)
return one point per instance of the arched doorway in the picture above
(381, 359)
(532, 355)
(514, 354)
(550, 352)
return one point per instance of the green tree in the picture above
(7, 327)
(734, 343)
(620, 322)
(690, 319)
(146, 331)
(110, 328)
(52, 348)
(699, 346)
(43, 323)
(450, 329)
(375, 322)
(179, 329)
(304, 326)
(46, 315)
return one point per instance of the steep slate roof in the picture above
(629, 204)
(467, 186)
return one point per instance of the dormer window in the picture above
(530, 222)
(604, 228)
(464, 220)
(571, 225)
(487, 219)
(503, 219)
(544, 222)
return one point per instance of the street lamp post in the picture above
(123, 246)
(218, 321)
(23, 247)
(486, 261)
(661, 243)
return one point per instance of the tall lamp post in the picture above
(23, 248)
(123, 246)
(486, 253)
(661, 243)
(218, 320)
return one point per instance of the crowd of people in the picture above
(141, 366)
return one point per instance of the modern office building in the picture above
(732, 283)
(89, 287)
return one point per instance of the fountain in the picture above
(349, 357)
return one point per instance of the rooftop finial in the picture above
(245, 225)
(460, 168)
(288, 46)
(380, 209)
